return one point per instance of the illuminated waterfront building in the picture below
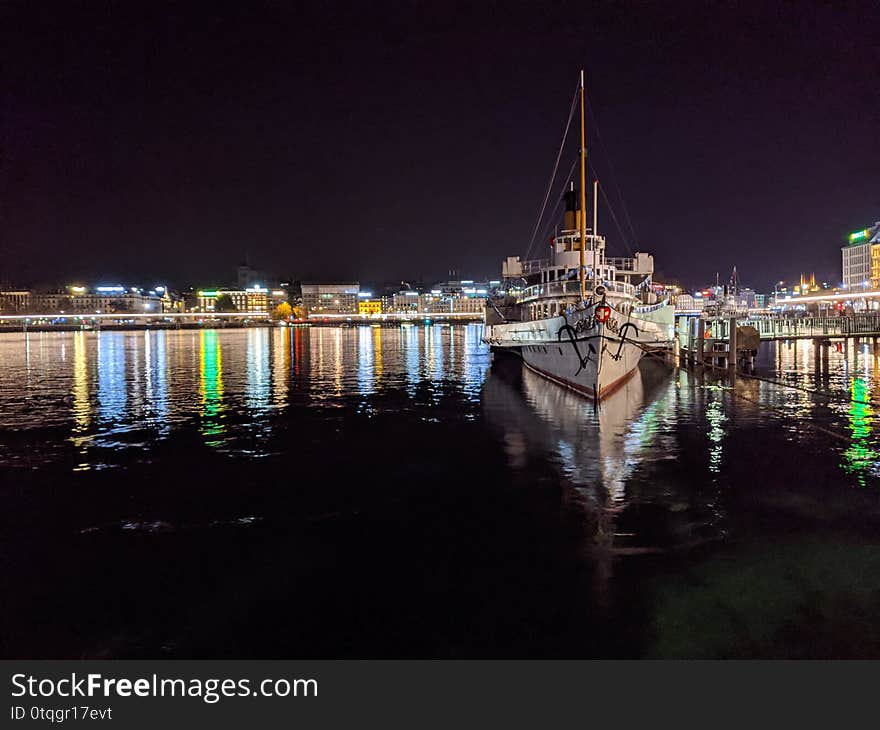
(875, 265)
(435, 303)
(861, 258)
(369, 305)
(108, 299)
(459, 296)
(15, 302)
(686, 302)
(278, 296)
(405, 301)
(331, 297)
(451, 297)
(252, 299)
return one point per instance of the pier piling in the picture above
(701, 339)
(731, 348)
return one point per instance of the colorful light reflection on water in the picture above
(470, 510)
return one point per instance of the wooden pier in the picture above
(732, 340)
(801, 328)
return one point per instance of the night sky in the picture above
(381, 141)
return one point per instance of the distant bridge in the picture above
(396, 317)
(12, 322)
(124, 316)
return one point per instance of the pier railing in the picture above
(786, 328)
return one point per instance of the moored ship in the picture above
(579, 318)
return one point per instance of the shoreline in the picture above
(133, 327)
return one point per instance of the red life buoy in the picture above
(603, 313)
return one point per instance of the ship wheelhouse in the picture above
(556, 285)
(553, 286)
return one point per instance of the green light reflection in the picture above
(859, 457)
(211, 386)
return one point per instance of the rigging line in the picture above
(548, 232)
(613, 177)
(550, 224)
(623, 236)
(550, 219)
(555, 171)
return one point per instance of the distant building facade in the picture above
(100, 300)
(369, 306)
(861, 258)
(15, 302)
(278, 296)
(686, 302)
(331, 297)
(406, 301)
(253, 299)
(463, 296)
(450, 297)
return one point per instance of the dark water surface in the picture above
(384, 492)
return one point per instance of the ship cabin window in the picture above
(550, 275)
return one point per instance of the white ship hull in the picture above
(575, 351)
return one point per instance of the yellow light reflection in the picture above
(377, 353)
(280, 366)
(82, 404)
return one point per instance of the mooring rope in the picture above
(793, 386)
(779, 412)
(661, 352)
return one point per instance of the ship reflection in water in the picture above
(596, 448)
(384, 492)
(607, 457)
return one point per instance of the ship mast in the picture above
(595, 235)
(583, 216)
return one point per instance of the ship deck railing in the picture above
(534, 266)
(570, 288)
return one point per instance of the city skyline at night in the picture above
(333, 142)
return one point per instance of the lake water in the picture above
(392, 492)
